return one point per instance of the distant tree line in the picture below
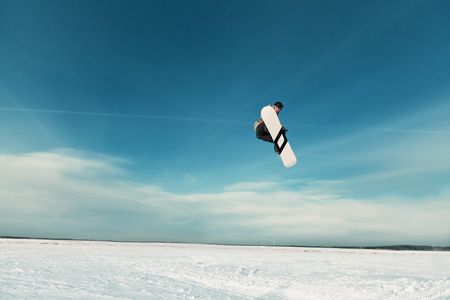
(398, 248)
(391, 247)
(410, 248)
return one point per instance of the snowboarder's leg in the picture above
(262, 133)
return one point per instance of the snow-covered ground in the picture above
(46, 269)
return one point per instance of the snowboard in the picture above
(278, 135)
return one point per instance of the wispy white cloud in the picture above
(411, 159)
(252, 186)
(190, 178)
(66, 193)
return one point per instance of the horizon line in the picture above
(385, 247)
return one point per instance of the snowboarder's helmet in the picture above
(278, 104)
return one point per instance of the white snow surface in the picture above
(54, 269)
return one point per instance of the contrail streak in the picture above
(101, 114)
(217, 121)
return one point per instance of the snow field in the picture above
(45, 269)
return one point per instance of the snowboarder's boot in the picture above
(277, 149)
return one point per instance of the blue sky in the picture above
(134, 120)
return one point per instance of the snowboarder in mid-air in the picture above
(261, 130)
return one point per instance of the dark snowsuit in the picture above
(262, 133)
